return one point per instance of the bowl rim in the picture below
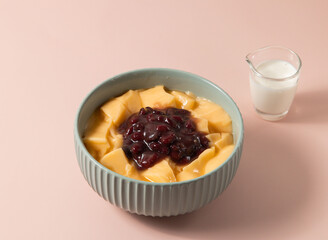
(79, 141)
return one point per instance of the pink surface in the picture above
(52, 53)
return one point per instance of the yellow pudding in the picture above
(105, 141)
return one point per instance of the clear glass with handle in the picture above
(274, 74)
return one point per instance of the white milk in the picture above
(273, 96)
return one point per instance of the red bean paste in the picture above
(154, 134)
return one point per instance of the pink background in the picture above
(52, 53)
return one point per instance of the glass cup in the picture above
(274, 73)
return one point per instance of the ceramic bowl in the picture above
(147, 198)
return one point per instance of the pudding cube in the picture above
(225, 140)
(216, 116)
(196, 168)
(117, 162)
(157, 97)
(202, 125)
(160, 172)
(116, 111)
(213, 137)
(220, 158)
(131, 100)
(184, 101)
(95, 139)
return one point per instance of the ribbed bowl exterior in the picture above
(157, 199)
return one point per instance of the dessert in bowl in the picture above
(185, 185)
(158, 135)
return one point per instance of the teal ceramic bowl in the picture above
(157, 199)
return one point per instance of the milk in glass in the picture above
(270, 94)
